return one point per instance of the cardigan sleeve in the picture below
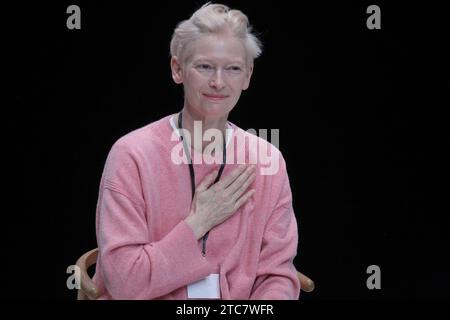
(134, 267)
(276, 277)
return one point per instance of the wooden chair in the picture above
(89, 290)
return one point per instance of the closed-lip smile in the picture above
(214, 96)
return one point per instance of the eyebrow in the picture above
(231, 61)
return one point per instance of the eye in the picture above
(234, 69)
(204, 66)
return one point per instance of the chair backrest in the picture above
(90, 291)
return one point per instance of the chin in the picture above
(215, 109)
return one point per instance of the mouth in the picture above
(215, 97)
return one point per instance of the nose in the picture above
(216, 80)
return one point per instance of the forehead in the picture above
(218, 48)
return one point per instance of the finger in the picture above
(244, 198)
(208, 181)
(236, 184)
(244, 186)
(226, 181)
(306, 283)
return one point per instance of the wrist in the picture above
(197, 227)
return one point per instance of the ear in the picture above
(248, 77)
(177, 71)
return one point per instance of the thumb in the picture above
(208, 181)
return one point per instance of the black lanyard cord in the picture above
(191, 169)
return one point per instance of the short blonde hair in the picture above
(214, 19)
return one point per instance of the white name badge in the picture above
(208, 288)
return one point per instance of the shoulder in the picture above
(144, 139)
(140, 147)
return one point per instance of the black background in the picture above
(361, 113)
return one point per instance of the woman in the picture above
(206, 227)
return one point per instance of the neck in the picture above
(207, 122)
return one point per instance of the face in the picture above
(214, 74)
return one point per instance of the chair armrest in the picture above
(87, 287)
(306, 283)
